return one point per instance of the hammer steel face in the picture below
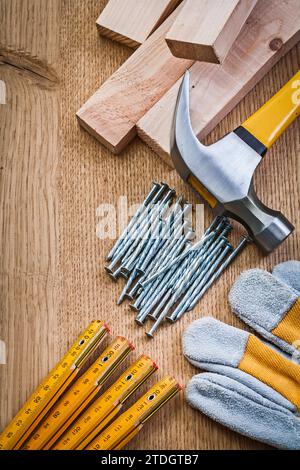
(222, 173)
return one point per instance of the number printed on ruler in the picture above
(94, 419)
(126, 426)
(79, 395)
(52, 387)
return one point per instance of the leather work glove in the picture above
(252, 387)
(269, 306)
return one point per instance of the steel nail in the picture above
(170, 250)
(134, 290)
(153, 247)
(168, 283)
(149, 296)
(115, 275)
(130, 280)
(183, 286)
(208, 280)
(202, 284)
(213, 225)
(162, 282)
(130, 260)
(149, 255)
(162, 189)
(243, 242)
(179, 258)
(132, 240)
(159, 319)
(133, 307)
(196, 281)
(141, 298)
(153, 296)
(159, 306)
(147, 200)
(196, 262)
(180, 272)
(147, 231)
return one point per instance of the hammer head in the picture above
(222, 173)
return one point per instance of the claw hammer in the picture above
(222, 173)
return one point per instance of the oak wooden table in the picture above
(54, 176)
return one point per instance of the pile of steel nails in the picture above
(166, 275)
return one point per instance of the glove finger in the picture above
(269, 306)
(243, 410)
(209, 344)
(252, 383)
(210, 341)
(288, 272)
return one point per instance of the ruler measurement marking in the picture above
(79, 395)
(52, 386)
(102, 411)
(131, 421)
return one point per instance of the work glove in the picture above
(289, 273)
(269, 306)
(251, 387)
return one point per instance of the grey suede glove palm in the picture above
(251, 387)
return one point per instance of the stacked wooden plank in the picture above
(131, 22)
(228, 46)
(207, 33)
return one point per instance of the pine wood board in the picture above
(132, 22)
(215, 90)
(56, 282)
(206, 30)
(110, 115)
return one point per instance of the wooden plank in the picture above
(32, 46)
(216, 90)
(112, 112)
(206, 30)
(131, 22)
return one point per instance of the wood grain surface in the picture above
(215, 90)
(111, 113)
(29, 35)
(132, 22)
(206, 30)
(54, 176)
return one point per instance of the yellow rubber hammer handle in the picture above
(270, 121)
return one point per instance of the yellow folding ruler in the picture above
(105, 408)
(78, 396)
(124, 428)
(56, 382)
